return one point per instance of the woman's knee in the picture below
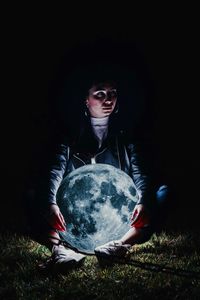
(162, 195)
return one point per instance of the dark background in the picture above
(163, 46)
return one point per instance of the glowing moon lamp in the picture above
(97, 202)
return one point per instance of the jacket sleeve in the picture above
(56, 171)
(140, 174)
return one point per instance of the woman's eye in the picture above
(99, 95)
(113, 94)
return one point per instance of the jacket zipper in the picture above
(93, 159)
(120, 167)
(79, 159)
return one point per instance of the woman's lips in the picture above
(107, 107)
(107, 110)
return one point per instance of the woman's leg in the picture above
(136, 236)
(143, 234)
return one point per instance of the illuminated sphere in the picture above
(97, 202)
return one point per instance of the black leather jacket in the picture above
(116, 150)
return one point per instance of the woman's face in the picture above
(101, 100)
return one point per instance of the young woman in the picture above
(100, 135)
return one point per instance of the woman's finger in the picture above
(56, 222)
(141, 221)
(62, 218)
(62, 222)
(56, 225)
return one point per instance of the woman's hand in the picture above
(55, 218)
(140, 217)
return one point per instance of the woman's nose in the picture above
(108, 103)
(108, 100)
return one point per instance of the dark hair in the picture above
(86, 76)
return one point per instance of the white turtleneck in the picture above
(100, 128)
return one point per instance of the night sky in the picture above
(38, 52)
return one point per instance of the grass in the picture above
(165, 267)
